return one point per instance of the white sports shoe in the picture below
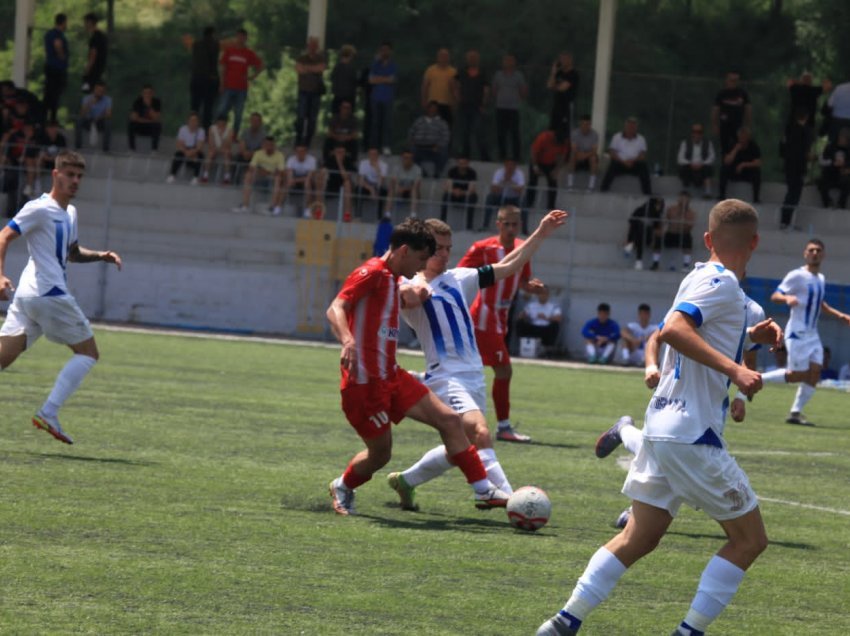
(639, 265)
(277, 210)
(52, 426)
(492, 498)
(194, 181)
(343, 498)
(169, 178)
(240, 209)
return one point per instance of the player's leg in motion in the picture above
(10, 348)
(622, 432)
(360, 470)
(805, 360)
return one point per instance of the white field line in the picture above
(797, 504)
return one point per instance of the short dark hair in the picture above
(585, 117)
(414, 233)
(241, 31)
(209, 31)
(816, 241)
(387, 43)
(268, 138)
(644, 307)
(91, 17)
(603, 307)
(60, 19)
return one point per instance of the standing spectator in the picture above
(804, 95)
(835, 169)
(265, 169)
(628, 156)
(371, 181)
(509, 91)
(732, 110)
(236, 60)
(429, 137)
(366, 88)
(635, 336)
(584, 153)
(98, 48)
(342, 129)
(645, 226)
(696, 159)
(742, 163)
(438, 86)
(219, 146)
(301, 172)
(250, 141)
(601, 335)
(505, 191)
(839, 108)
(190, 148)
(679, 223)
(472, 94)
(55, 65)
(344, 79)
(50, 142)
(309, 66)
(796, 151)
(563, 82)
(540, 318)
(406, 183)
(145, 118)
(383, 75)
(460, 188)
(204, 82)
(338, 175)
(95, 114)
(548, 152)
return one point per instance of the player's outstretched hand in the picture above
(738, 410)
(413, 295)
(747, 380)
(552, 221)
(767, 332)
(535, 286)
(6, 288)
(112, 257)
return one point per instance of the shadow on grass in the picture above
(791, 545)
(552, 445)
(416, 521)
(83, 458)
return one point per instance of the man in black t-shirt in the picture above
(460, 188)
(96, 60)
(145, 118)
(339, 172)
(473, 92)
(742, 163)
(343, 129)
(563, 82)
(732, 109)
(804, 96)
(204, 81)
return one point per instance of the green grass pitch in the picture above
(195, 502)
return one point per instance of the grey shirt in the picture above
(508, 89)
(582, 142)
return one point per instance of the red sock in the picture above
(352, 480)
(470, 464)
(502, 398)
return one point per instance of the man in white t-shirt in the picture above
(506, 188)
(371, 182)
(191, 139)
(635, 336)
(435, 303)
(628, 156)
(540, 318)
(406, 183)
(803, 290)
(683, 458)
(301, 175)
(42, 302)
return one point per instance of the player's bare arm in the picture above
(832, 311)
(413, 294)
(651, 374)
(766, 332)
(77, 254)
(338, 318)
(514, 261)
(788, 299)
(7, 235)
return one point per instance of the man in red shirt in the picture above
(490, 312)
(235, 61)
(377, 393)
(550, 150)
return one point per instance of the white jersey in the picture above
(810, 290)
(301, 168)
(642, 333)
(755, 314)
(444, 325)
(689, 405)
(50, 231)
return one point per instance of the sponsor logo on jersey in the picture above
(390, 333)
(674, 404)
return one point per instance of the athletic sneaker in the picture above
(639, 265)
(240, 209)
(405, 492)
(52, 426)
(509, 434)
(610, 439)
(556, 626)
(623, 519)
(343, 498)
(493, 498)
(799, 419)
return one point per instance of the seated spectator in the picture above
(696, 159)
(584, 153)
(219, 146)
(742, 163)
(50, 141)
(338, 174)
(266, 169)
(23, 105)
(371, 181)
(21, 160)
(601, 335)
(460, 188)
(95, 115)
(540, 318)
(645, 224)
(429, 137)
(838, 105)
(190, 149)
(827, 372)
(627, 151)
(301, 175)
(635, 334)
(343, 128)
(406, 183)
(549, 151)
(844, 372)
(250, 141)
(505, 189)
(679, 223)
(145, 118)
(835, 170)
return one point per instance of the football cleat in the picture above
(405, 492)
(610, 439)
(556, 626)
(343, 498)
(509, 434)
(52, 426)
(492, 498)
(799, 419)
(623, 519)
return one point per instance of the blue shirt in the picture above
(383, 92)
(593, 328)
(97, 109)
(53, 61)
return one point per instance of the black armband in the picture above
(486, 276)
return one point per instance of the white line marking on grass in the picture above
(782, 452)
(797, 504)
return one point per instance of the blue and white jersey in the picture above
(689, 405)
(444, 325)
(49, 230)
(810, 290)
(755, 314)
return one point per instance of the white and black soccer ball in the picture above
(529, 508)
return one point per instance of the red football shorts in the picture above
(370, 408)
(492, 347)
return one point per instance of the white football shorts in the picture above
(59, 318)
(804, 350)
(462, 393)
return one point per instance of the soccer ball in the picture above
(529, 508)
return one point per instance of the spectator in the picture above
(23, 106)
(839, 108)
(338, 175)
(406, 183)
(696, 159)
(301, 172)
(371, 181)
(429, 137)
(460, 188)
(265, 169)
(342, 129)
(584, 153)
(95, 117)
(835, 169)
(796, 150)
(563, 82)
(21, 162)
(742, 163)
(250, 141)
(204, 82)
(382, 78)
(827, 372)
(49, 141)
(635, 334)
(628, 156)
(344, 80)
(804, 95)
(844, 372)
(601, 335)
(645, 225)
(548, 152)
(472, 94)
(145, 118)
(98, 49)
(236, 60)
(679, 223)
(509, 91)
(506, 189)
(309, 66)
(219, 146)
(190, 148)
(540, 318)
(366, 88)
(731, 111)
(55, 65)
(438, 86)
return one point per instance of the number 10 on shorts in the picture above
(380, 419)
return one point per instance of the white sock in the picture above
(717, 586)
(432, 464)
(632, 438)
(599, 578)
(686, 259)
(608, 351)
(67, 382)
(591, 183)
(481, 486)
(777, 375)
(494, 470)
(804, 394)
(503, 424)
(590, 350)
(627, 355)
(570, 180)
(656, 257)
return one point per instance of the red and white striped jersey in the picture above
(372, 292)
(490, 309)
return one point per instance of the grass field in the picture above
(194, 502)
